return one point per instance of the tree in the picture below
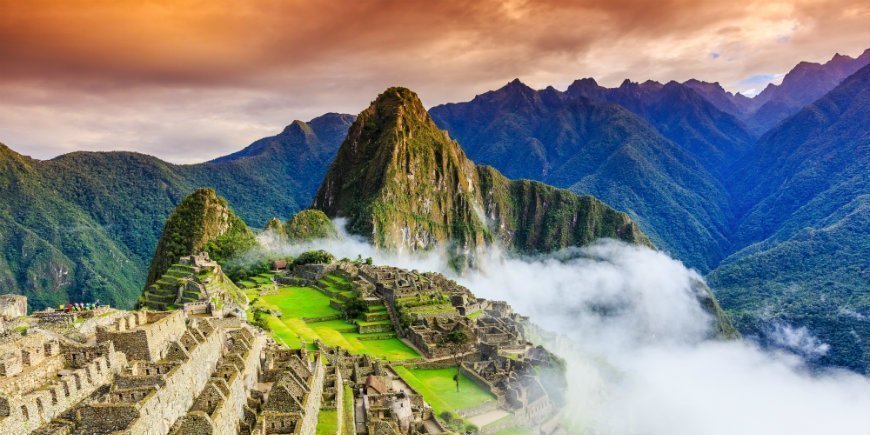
(314, 257)
(457, 340)
(354, 307)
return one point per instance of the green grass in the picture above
(327, 422)
(347, 410)
(296, 303)
(375, 322)
(439, 389)
(300, 302)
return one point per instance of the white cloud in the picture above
(799, 340)
(639, 348)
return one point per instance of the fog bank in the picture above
(641, 353)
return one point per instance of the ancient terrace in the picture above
(343, 348)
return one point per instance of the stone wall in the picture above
(144, 335)
(226, 419)
(12, 306)
(28, 412)
(134, 408)
(174, 399)
(312, 404)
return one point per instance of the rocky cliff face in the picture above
(202, 222)
(403, 183)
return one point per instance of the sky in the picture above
(190, 80)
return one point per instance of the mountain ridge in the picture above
(404, 184)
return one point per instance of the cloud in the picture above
(640, 350)
(247, 68)
(799, 340)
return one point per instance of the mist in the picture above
(641, 353)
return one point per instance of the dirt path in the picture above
(486, 418)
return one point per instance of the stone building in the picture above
(12, 306)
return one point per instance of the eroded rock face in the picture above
(402, 182)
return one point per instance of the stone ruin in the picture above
(161, 372)
(499, 357)
(197, 285)
(192, 371)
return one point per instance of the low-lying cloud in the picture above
(641, 353)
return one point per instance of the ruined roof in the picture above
(376, 384)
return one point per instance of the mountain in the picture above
(736, 105)
(679, 113)
(309, 225)
(805, 83)
(403, 183)
(803, 203)
(600, 148)
(85, 225)
(202, 222)
(53, 251)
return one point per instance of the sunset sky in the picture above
(189, 80)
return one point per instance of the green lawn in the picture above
(439, 389)
(327, 422)
(300, 302)
(347, 411)
(296, 303)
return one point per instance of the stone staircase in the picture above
(175, 288)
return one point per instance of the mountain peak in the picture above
(515, 86)
(297, 127)
(586, 87)
(402, 182)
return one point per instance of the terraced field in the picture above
(306, 315)
(439, 389)
(327, 422)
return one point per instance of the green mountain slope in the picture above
(602, 149)
(805, 196)
(202, 222)
(52, 251)
(85, 225)
(404, 184)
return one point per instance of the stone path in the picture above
(360, 416)
(486, 418)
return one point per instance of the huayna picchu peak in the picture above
(402, 182)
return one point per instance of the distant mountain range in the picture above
(778, 222)
(804, 84)
(765, 195)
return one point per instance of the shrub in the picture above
(314, 257)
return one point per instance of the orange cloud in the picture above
(300, 57)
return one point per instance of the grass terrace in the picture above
(439, 389)
(327, 422)
(306, 316)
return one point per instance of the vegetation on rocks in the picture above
(309, 225)
(402, 182)
(202, 222)
(314, 257)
